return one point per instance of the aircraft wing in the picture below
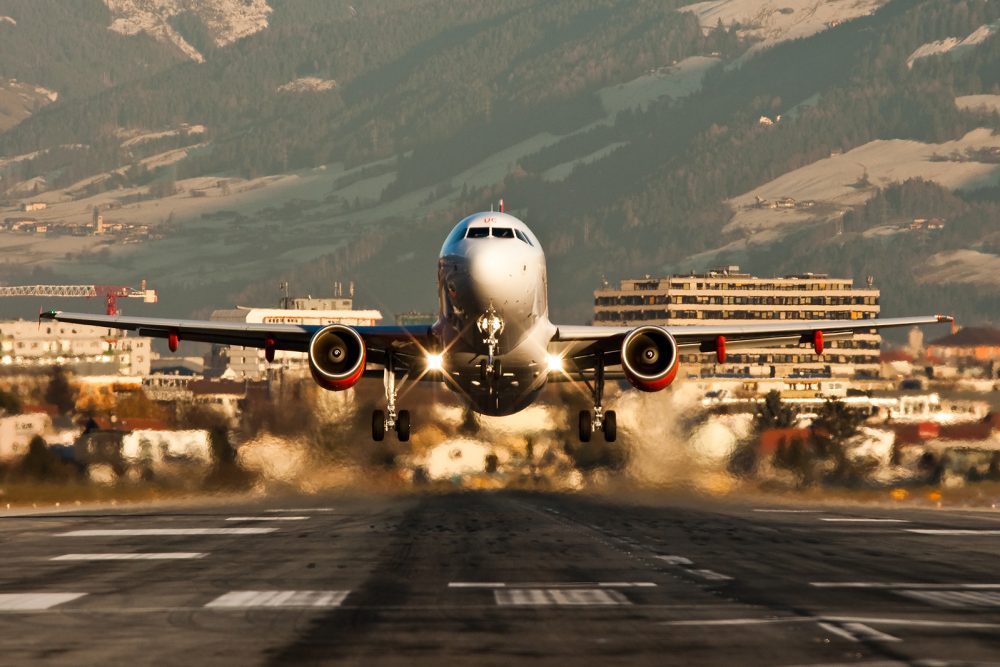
(406, 340)
(581, 344)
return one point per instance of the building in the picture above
(17, 431)
(727, 296)
(414, 318)
(86, 350)
(244, 363)
(969, 345)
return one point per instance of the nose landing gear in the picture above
(606, 422)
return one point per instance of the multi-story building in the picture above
(86, 350)
(727, 296)
(246, 363)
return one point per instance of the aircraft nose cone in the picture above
(491, 265)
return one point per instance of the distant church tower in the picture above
(98, 221)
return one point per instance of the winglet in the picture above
(945, 318)
(47, 315)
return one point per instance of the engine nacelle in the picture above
(337, 357)
(649, 358)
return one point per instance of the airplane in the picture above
(493, 342)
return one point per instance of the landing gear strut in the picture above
(390, 419)
(600, 420)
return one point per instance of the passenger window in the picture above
(478, 233)
(503, 232)
(521, 235)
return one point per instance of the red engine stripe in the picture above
(342, 383)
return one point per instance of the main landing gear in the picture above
(599, 420)
(389, 419)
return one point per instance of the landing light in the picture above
(554, 362)
(435, 362)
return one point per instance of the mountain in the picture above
(321, 141)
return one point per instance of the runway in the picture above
(499, 579)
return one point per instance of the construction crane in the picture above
(110, 293)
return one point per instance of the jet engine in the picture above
(337, 357)
(649, 358)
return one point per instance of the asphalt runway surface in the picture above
(499, 579)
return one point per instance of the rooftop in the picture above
(970, 337)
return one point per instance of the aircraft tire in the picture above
(378, 425)
(403, 425)
(610, 426)
(586, 426)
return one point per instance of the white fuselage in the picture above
(491, 263)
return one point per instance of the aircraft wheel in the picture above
(610, 426)
(378, 425)
(403, 425)
(586, 426)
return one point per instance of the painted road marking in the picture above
(861, 520)
(783, 511)
(300, 510)
(579, 584)
(857, 632)
(35, 601)
(955, 599)
(166, 555)
(676, 560)
(951, 531)
(267, 518)
(902, 622)
(246, 599)
(156, 532)
(579, 597)
(900, 584)
(710, 575)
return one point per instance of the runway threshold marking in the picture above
(857, 632)
(282, 599)
(35, 601)
(563, 585)
(158, 532)
(166, 555)
(951, 531)
(955, 599)
(267, 518)
(900, 584)
(574, 597)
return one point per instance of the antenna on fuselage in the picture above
(501, 205)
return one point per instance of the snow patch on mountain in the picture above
(953, 45)
(776, 21)
(226, 20)
(136, 137)
(8, 19)
(18, 100)
(979, 103)
(969, 267)
(307, 84)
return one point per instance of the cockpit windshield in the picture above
(477, 233)
(503, 232)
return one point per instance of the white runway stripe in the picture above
(267, 518)
(861, 520)
(951, 531)
(784, 511)
(536, 584)
(35, 601)
(900, 584)
(302, 510)
(956, 599)
(711, 575)
(157, 532)
(166, 555)
(676, 560)
(247, 599)
(576, 597)
(856, 632)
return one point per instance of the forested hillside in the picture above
(628, 136)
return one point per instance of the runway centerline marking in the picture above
(857, 632)
(955, 599)
(900, 584)
(158, 532)
(282, 599)
(951, 531)
(545, 585)
(166, 555)
(711, 575)
(267, 518)
(35, 601)
(675, 560)
(861, 520)
(573, 597)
